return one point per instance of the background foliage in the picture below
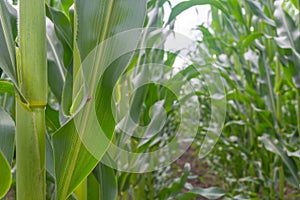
(255, 45)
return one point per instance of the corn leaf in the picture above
(209, 193)
(258, 11)
(179, 8)
(274, 147)
(94, 22)
(107, 181)
(6, 87)
(7, 47)
(55, 62)
(5, 175)
(7, 135)
(288, 38)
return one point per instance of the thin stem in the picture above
(298, 111)
(278, 81)
(281, 182)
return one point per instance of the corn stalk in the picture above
(30, 116)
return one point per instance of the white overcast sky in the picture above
(190, 18)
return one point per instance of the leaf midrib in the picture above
(73, 161)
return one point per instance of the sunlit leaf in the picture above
(102, 19)
(5, 175)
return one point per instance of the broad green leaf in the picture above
(66, 102)
(7, 135)
(107, 180)
(288, 38)
(66, 4)
(63, 29)
(259, 12)
(94, 22)
(248, 40)
(235, 9)
(105, 18)
(5, 175)
(179, 8)
(6, 87)
(52, 119)
(56, 69)
(49, 158)
(72, 161)
(276, 148)
(93, 189)
(287, 30)
(81, 191)
(7, 48)
(209, 193)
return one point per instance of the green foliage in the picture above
(254, 44)
(256, 49)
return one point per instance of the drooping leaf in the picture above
(209, 193)
(276, 148)
(56, 69)
(179, 8)
(258, 11)
(248, 40)
(287, 30)
(7, 135)
(64, 32)
(6, 87)
(7, 48)
(288, 38)
(5, 175)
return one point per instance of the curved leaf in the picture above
(288, 32)
(5, 176)
(209, 193)
(55, 62)
(288, 38)
(248, 40)
(94, 22)
(274, 147)
(179, 8)
(6, 87)
(258, 11)
(7, 47)
(108, 183)
(7, 135)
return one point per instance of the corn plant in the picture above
(255, 45)
(40, 60)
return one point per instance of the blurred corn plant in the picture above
(256, 46)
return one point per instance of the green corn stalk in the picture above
(30, 117)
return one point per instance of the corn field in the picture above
(102, 99)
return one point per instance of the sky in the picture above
(189, 19)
